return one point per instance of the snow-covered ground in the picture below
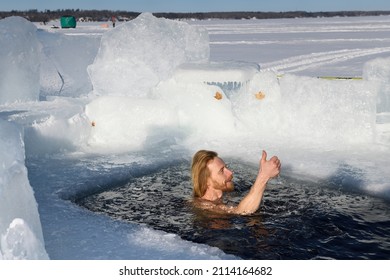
(87, 108)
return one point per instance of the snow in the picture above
(92, 107)
(125, 122)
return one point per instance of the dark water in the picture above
(297, 220)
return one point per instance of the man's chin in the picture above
(229, 187)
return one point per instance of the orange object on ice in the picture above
(260, 95)
(218, 95)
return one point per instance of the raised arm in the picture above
(267, 170)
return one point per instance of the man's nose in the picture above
(229, 172)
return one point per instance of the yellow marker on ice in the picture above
(260, 95)
(218, 95)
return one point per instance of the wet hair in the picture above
(200, 172)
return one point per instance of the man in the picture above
(211, 178)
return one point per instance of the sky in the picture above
(198, 5)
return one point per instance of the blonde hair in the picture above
(200, 172)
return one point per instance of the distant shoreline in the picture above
(105, 15)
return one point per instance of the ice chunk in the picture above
(306, 110)
(257, 105)
(228, 75)
(20, 243)
(20, 226)
(135, 56)
(64, 63)
(19, 56)
(57, 134)
(203, 111)
(168, 244)
(126, 123)
(378, 71)
(325, 112)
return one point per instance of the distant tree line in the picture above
(104, 15)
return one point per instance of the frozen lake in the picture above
(313, 47)
(113, 105)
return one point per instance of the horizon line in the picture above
(198, 12)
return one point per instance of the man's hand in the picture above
(269, 168)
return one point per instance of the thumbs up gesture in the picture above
(269, 168)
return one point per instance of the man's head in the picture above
(210, 171)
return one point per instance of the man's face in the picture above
(221, 177)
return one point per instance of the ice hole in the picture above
(297, 219)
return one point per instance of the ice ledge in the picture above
(216, 72)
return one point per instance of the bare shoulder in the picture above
(214, 206)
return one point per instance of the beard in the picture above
(225, 186)
(229, 186)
